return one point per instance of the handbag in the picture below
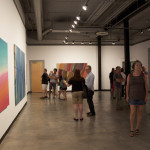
(85, 90)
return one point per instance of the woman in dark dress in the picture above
(136, 95)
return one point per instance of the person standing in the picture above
(123, 82)
(118, 87)
(44, 83)
(111, 75)
(136, 95)
(77, 90)
(53, 80)
(89, 81)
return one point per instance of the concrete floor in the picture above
(49, 125)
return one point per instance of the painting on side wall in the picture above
(4, 89)
(67, 69)
(19, 70)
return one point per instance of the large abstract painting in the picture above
(67, 69)
(4, 90)
(19, 60)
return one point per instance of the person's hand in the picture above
(64, 81)
(146, 99)
(127, 99)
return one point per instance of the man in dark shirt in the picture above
(111, 75)
(118, 87)
(44, 83)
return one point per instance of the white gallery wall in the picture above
(12, 31)
(112, 56)
(64, 54)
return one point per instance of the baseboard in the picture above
(12, 124)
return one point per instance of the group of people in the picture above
(136, 92)
(78, 83)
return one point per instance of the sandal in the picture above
(137, 131)
(131, 133)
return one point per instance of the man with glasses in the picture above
(89, 81)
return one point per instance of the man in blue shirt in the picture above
(89, 81)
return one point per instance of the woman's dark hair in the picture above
(77, 74)
(137, 61)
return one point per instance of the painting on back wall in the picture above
(4, 90)
(19, 69)
(67, 69)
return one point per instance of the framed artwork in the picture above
(4, 89)
(19, 74)
(67, 69)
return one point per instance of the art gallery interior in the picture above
(44, 33)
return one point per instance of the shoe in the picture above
(42, 97)
(137, 131)
(131, 133)
(81, 119)
(90, 115)
(76, 119)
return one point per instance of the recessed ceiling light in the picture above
(73, 26)
(75, 22)
(78, 17)
(84, 7)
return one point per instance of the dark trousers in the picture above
(90, 101)
(122, 93)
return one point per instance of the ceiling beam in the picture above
(131, 11)
(38, 17)
(20, 10)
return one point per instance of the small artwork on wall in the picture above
(4, 89)
(67, 69)
(19, 74)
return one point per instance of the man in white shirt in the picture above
(89, 81)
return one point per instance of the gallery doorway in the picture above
(36, 71)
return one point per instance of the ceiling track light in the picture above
(75, 22)
(82, 43)
(70, 30)
(148, 29)
(66, 37)
(113, 43)
(141, 32)
(84, 7)
(73, 42)
(78, 18)
(73, 26)
(90, 43)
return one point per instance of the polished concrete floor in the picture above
(49, 125)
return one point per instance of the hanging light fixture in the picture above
(84, 7)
